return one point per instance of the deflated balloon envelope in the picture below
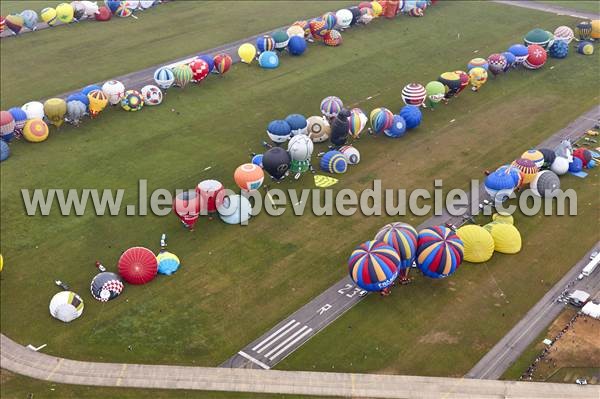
(339, 128)
(276, 162)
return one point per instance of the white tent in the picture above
(592, 309)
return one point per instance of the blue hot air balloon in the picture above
(268, 60)
(88, 89)
(373, 265)
(297, 123)
(297, 45)
(412, 116)
(520, 52)
(334, 162)
(439, 251)
(209, 60)
(398, 128)
(279, 131)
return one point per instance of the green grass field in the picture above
(237, 282)
(586, 6)
(123, 45)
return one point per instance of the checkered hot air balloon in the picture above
(332, 38)
(138, 265)
(222, 63)
(439, 251)
(106, 286)
(200, 70)
(414, 94)
(497, 63)
(318, 28)
(373, 265)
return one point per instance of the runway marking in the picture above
(120, 378)
(253, 360)
(55, 369)
(285, 341)
(305, 333)
(266, 340)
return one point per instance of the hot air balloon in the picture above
(356, 14)
(412, 116)
(151, 95)
(91, 8)
(595, 34)
(377, 8)
(477, 62)
(34, 110)
(114, 91)
(477, 77)
(20, 117)
(373, 265)
(235, 209)
(106, 286)
(507, 239)
(30, 19)
(499, 185)
(452, 83)
(300, 148)
(330, 106)
(538, 37)
(199, 69)
(527, 167)
(545, 184)
(403, 238)
(88, 89)
(549, 157)
(2, 23)
(563, 34)
(247, 52)
(297, 45)
(334, 162)
(4, 154)
(98, 102)
(511, 60)
(295, 30)
(66, 306)
(222, 63)
(478, 243)
(209, 60)
(439, 252)
(123, 10)
(279, 131)
(520, 52)
(351, 153)
(113, 5)
(168, 263)
(78, 10)
(281, 40)
(559, 49)
(584, 154)
(503, 218)
(183, 75)
(164, 77)
(14, 22)
(103, 14)
(436, 92)
(138, 265)
(265, 43)
(249, 177)
(381, 119)
(7, 126)
(330, 20)
(186, 206)
(356, 122)
(268, 60)
(339, 128)
(76, 107)
(536, 57)
(55, 110)
(211, 195)
(397, 129)
(257, 160)
(560, 166)
(318, 129)
(576, 165)
(318, 28)
(332, 38)
(534, 155)
(132, 101)
(35, 130)
(585, 48)
(48, 15)
(514, 172)
(343, 18)
(297, 123)
(276, 162)
(414, 94)
(497, 63)
(65, 13)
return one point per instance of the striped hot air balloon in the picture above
(527, 167)
(439, 252)
(381, 119)
(222, 63)
(414, 94)
(373, 265)
(331, 106)
(403, 238)
(356, 122)
(334, 162)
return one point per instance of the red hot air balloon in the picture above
(187, 207)
(211, 195)
(138, 265)
(222, 63)
(200, 70)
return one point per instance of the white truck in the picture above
(590, 267)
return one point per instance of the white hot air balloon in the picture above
(66, 306)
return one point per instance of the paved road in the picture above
(507, 351)
(292, 332)
(18, 359)
(551, 8)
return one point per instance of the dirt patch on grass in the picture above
(439, 337)
(5, 376)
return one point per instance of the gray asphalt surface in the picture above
(555, 9)
(292, 332)
(507, 351)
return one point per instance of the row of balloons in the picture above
(136, 266)
(74, 11)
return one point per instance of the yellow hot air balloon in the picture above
(55, 110)
(48, 15)
(478, 243)
(507, 238)
(64, 13)
(247, 52)
(98, 101)
(35, 130)
(595, 29)
(500, 218)
(377, 8)
(1, 262)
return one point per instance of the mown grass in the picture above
(237, 282)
